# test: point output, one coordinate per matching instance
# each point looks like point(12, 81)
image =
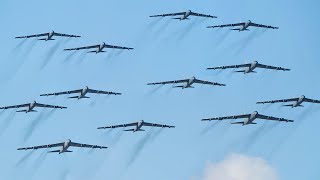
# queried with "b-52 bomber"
point(187, 83)
point(249, 118)
point(184, 15)
point(47, 36)
point(30, 107)
point(82, 93)
point(99, 48)
point(137, 126)
point(243, 26)
point(296, 101)
point(249, 68)
point(64, 146)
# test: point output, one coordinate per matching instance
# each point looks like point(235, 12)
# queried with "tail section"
point(26, 111)
point(45, 39)
point(243, 123)
point(177, 86)
point(22, 111)
point(95, 52)
point(133, 130)
point(55, 151)
point(58, 151)
point(238, 123)
point(238, 29)
point(241, 71)
point(291, 105)
point(74, 97)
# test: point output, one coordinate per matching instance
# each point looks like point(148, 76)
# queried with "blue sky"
point(165, 49)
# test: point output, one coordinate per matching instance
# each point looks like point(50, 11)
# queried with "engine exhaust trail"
point(69, 57)
point(6, 121)
point(51, 52)
point(29, 48)
point(154, 90)
point(17, 48)
point(209, 128)
point(139, 147)
point(162, 28)
point(116, 137)
point(43, 116)
point(249, 39)
point(24, 158)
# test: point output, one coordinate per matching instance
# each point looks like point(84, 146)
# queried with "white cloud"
point(240, 167)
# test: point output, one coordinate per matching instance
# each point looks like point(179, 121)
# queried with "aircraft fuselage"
point(245, 26)
point(65, 146)
point(31, 106)
point(189, 83)
point(251, 68)
point(186, 15)
point(299, 102)
point(252, 117)
point(83, 92)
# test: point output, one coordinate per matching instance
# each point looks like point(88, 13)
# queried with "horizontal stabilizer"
point(238, 123)
point(74, 97)
point(128, 130)
point(240, 71)
point(45, 39)
point(22, 111)
point(141, 130)
point(288, 105)
point(55, 151)
point(177, 86)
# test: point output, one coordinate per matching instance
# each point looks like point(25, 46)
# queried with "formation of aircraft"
point(243, 26)
point(64, 146)
point(187, 83)
point(30, 107)
point(183, 83)
point(184, 15)
point(248, 118)
point(48, 36)
point(82, 93)
point(99, 48)
point(137, 126)
point(296, 101)
point(249, 67)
